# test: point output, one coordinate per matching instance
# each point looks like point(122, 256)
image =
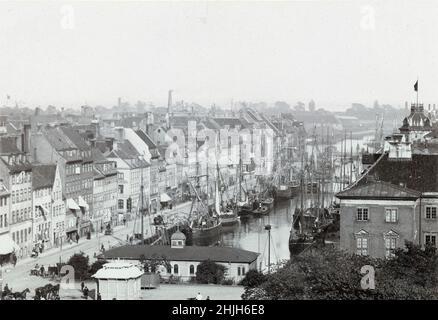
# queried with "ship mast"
point(351, 157)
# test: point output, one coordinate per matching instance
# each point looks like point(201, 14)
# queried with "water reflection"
point(250, 234)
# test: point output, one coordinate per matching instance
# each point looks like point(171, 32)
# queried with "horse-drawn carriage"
point(7, 294)
point(48, 292)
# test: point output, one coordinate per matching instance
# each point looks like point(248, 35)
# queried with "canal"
point(251, 235)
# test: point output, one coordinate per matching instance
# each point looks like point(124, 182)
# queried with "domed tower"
point(178, 240)
point(417, 124)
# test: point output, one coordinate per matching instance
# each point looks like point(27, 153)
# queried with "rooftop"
point(43, 175)
point(380, 190)
point(188, 253)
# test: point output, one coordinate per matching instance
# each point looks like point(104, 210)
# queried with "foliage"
point(80, 263)
point(334, 274)
point(227, 282)
point(210, 272)
point(151, 265)
point(253, 278)
point(96, 265)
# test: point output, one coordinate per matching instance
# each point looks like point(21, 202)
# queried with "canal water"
point(251, 235)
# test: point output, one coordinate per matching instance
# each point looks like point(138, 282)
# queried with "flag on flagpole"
point(416, 86)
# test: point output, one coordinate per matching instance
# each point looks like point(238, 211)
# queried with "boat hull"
point(228, 219)
point(206, 236)
point(263, 211)
point(286, 194)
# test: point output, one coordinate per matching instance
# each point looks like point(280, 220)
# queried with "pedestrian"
point(86, 292)
point(82, 286)
point(42, 270)
point(99, 297)
point(102, 248)
point(199, 296)
point(14, 259)
point(124, 221)
point(77, 237)
point(208, 298)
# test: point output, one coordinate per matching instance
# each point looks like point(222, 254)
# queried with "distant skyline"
point(335, 52)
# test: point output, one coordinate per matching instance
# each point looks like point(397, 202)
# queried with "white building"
point(132, 171)
point(42, 185)
point(16, 172)
point(119, 280)
point(58, 210)
point(183, 260)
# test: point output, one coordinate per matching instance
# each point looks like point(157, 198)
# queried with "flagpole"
point(417, 93)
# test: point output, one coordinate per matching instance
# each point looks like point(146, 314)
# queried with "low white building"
point(183, 260)
point(119, 280)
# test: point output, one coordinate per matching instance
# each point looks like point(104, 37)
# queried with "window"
point(121, 189)
point(362, 246)
point(121, 204)
point(362, 214)
point(391, 215)
point(192, 269)
point(430, 212)
point(175, 269)
point(238, 271)
point(243, 271)
point(169, 269)
point(430, 239)
point(390, 244)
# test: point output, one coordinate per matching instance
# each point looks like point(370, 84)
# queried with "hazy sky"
point(335, 52)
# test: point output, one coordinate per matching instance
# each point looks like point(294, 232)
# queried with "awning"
point(164, 197)
point(45, 212)
point(7, 245)
point(71, 204)
point(71, 229)
point(82, 203)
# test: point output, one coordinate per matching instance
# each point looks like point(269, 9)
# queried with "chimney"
point(25, 136)
point(169, 102)
point(120, 133)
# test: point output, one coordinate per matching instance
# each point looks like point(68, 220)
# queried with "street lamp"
point(268, 227)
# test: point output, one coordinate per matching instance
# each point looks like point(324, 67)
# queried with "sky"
point(335, 52)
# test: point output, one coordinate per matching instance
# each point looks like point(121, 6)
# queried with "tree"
point(152, 264)
point(300, 107)
point(210, 272)
point(96, 265)
point(333, 274)
point(253, 278)
point(80, 263)
point(282, 107)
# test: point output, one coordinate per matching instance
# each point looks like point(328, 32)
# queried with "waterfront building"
point(183, 260)
point(105, 192)
point(42, 191)
point(16, 173)
point(133, 172)
point(395, 200)
point(64, 146)
point(7, 245)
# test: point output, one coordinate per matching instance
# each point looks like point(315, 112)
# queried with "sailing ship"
point(227, 212)
point(204, 222)
point(310, 225)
